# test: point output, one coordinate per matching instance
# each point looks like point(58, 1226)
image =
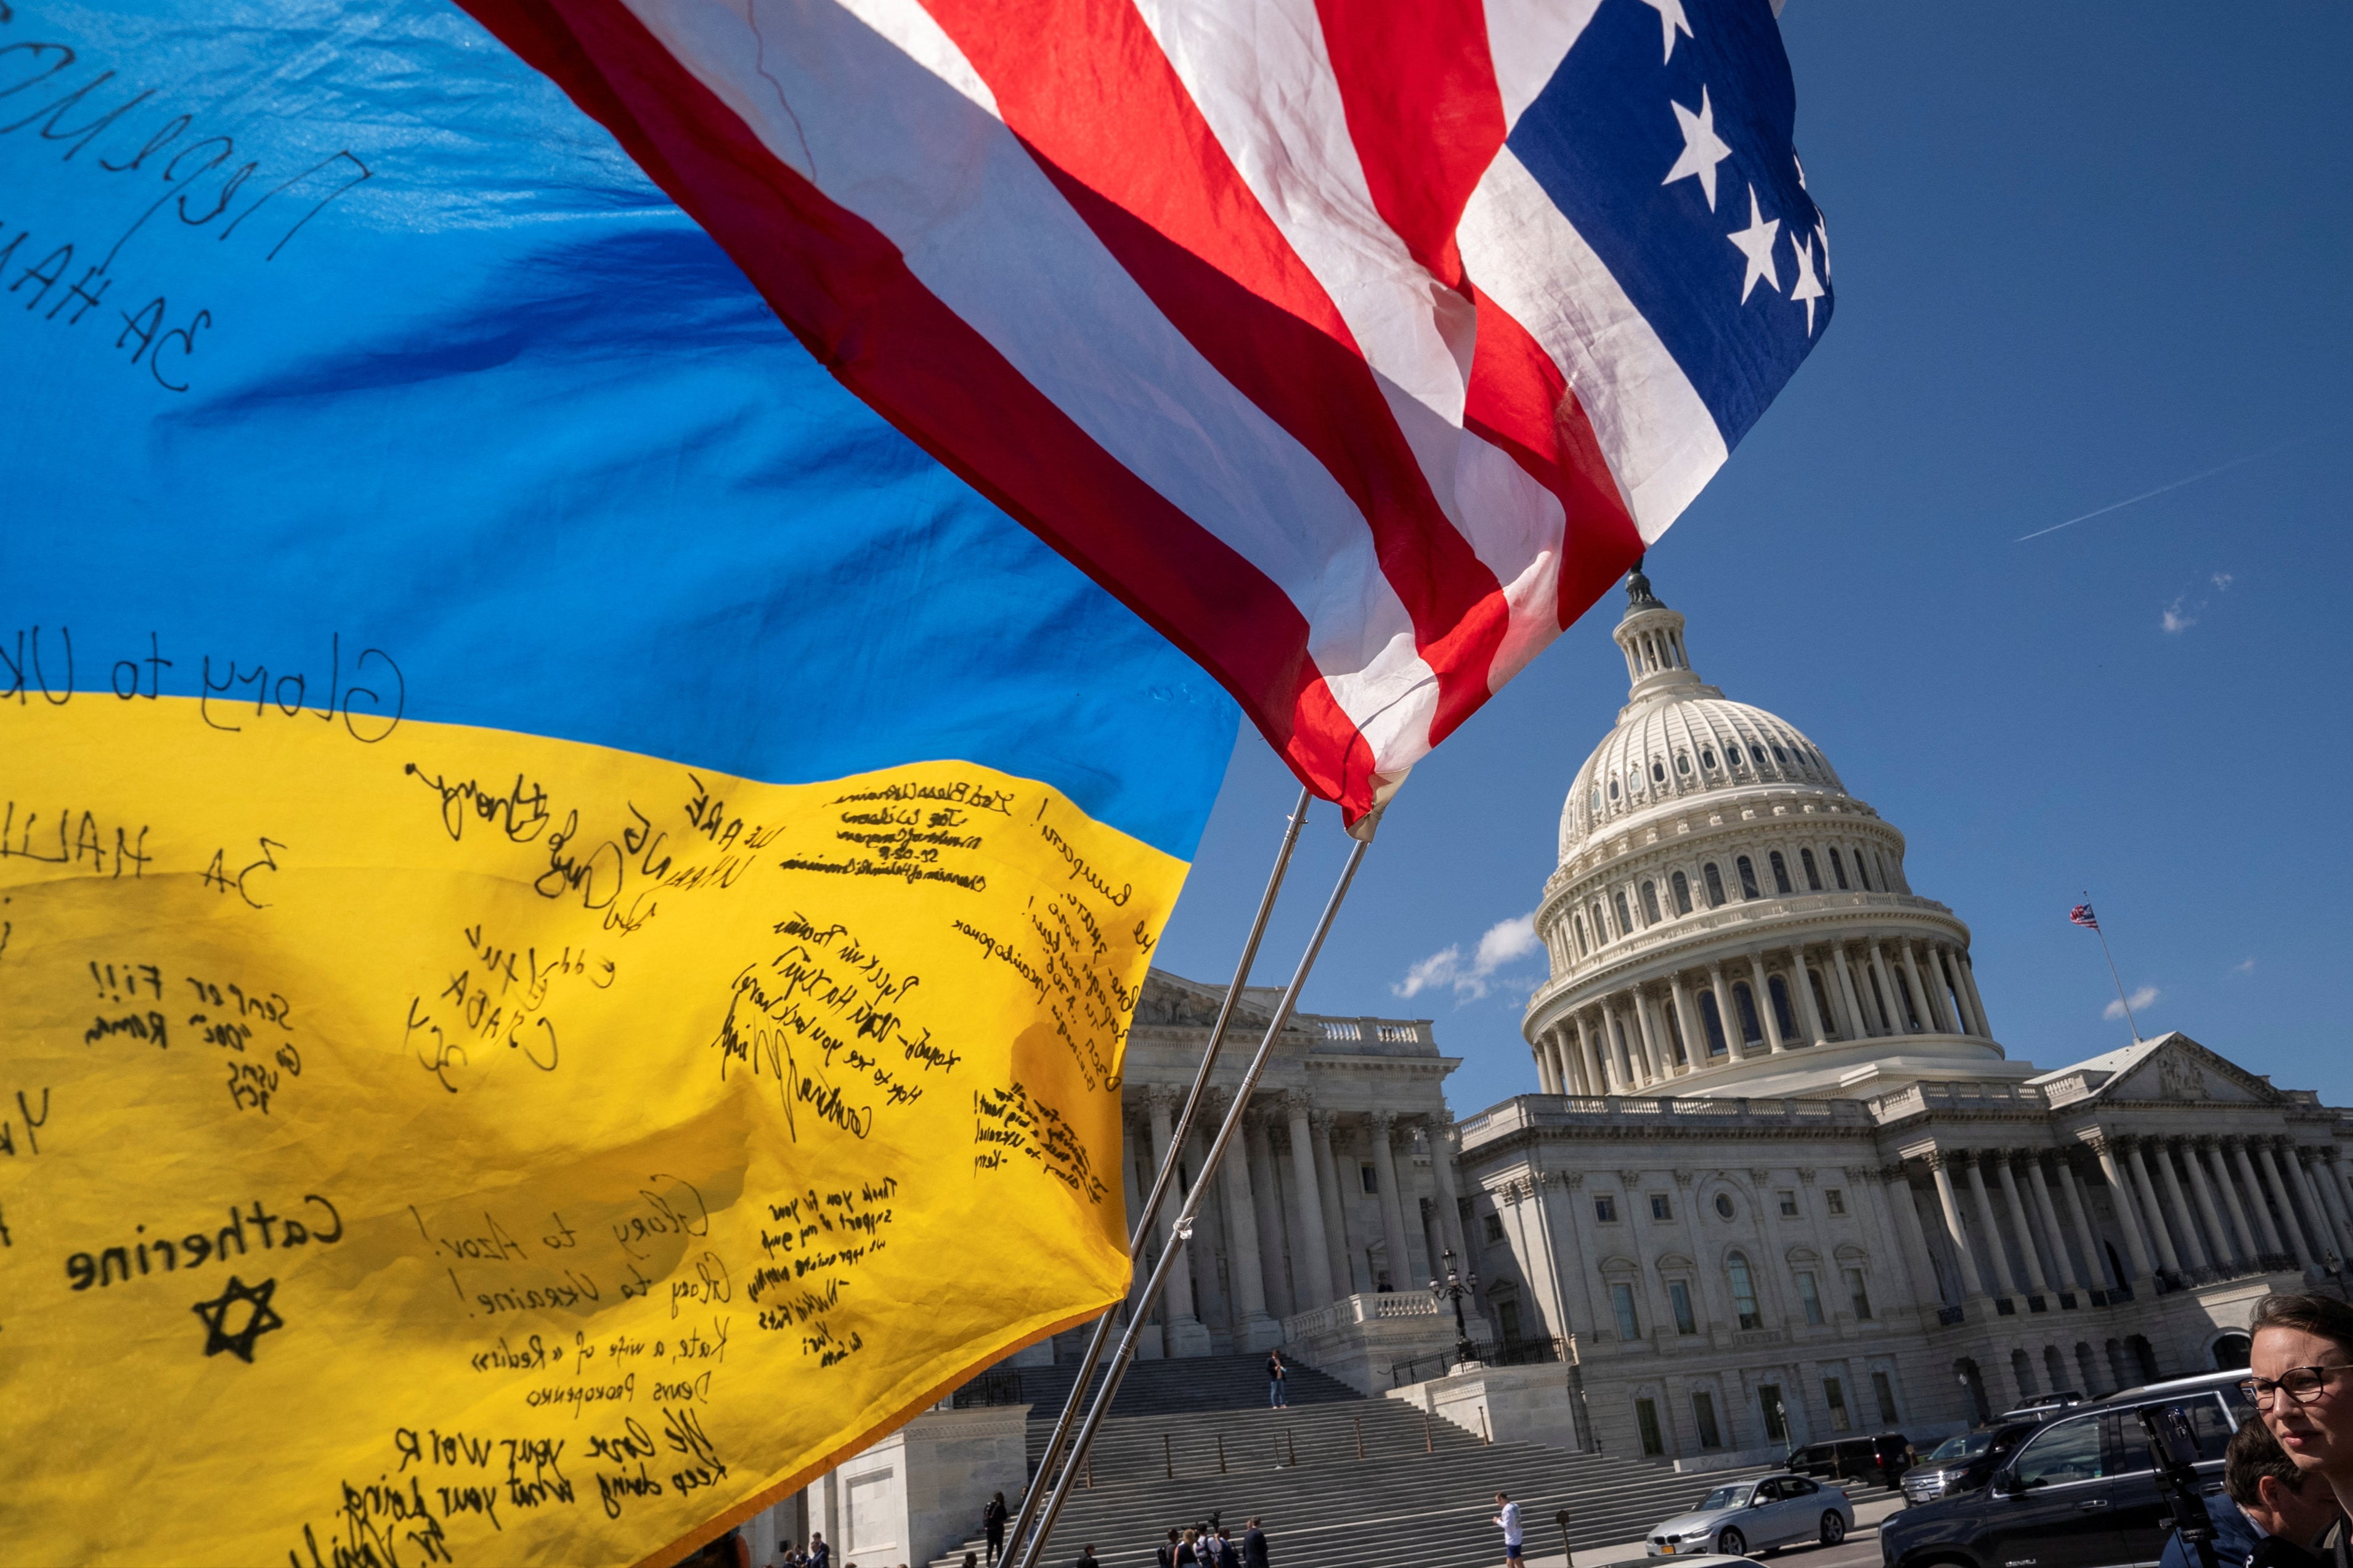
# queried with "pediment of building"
point(2172, 1067)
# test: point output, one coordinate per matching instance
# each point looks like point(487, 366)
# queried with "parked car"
point(1881, 1460)
point(2077, 1491)
point(1754, 1516)
point(1964, 1463)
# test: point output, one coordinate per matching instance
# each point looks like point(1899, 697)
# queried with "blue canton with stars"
point(1665, 138)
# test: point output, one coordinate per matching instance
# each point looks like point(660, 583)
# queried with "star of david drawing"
point(259, 1321)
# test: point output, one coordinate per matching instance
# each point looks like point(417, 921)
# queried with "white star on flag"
point(1807, 288)
point(1671, 21)
point(1756, 242)
point(1822, 233)
point(1702, 149)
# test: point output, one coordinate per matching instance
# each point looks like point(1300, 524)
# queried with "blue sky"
point(2082, 251)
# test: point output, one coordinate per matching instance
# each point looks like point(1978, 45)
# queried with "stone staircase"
point(1340, 1481)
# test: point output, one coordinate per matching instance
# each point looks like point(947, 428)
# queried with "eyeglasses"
point(2302, 1384)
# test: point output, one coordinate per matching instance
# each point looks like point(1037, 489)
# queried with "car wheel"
point(1833, 1526)
point(1732, 1544)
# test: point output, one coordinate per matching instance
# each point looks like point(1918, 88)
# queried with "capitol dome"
point(1725, 919)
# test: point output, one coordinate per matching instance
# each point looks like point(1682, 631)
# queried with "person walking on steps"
point(1278, 1397)
point(1166, 1557)
point(1507, 1520)
point(992, 1525)
point(1253, 1545)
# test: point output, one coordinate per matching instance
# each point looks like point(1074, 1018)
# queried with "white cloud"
point(1506, 943)
point(2223, 580)
point(2174, 620)
point(2140, 1000)
point(2246, 968)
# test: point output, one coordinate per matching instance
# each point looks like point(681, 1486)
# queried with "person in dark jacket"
point(1087, 1557)
point(993, 1515)
point(1278, 1393)
point(1253, 1545)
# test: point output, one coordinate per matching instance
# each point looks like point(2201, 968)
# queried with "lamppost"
point(1453, 1288)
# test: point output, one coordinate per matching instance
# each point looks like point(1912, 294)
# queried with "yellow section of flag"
point(497, 1149)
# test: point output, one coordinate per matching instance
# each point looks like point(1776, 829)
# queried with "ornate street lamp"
point(1453, 1288)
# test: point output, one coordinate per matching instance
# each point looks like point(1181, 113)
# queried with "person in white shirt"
point(1507, 1520)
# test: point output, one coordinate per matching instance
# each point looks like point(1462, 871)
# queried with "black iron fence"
point(998, 1385)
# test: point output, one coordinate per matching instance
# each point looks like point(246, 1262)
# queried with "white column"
point(2177, 1206)
point(2063, 1267)
point(1895, 1190)
point(1267, 1207)
point(1654, 1051)
point(1328, 1184)
point(1147, 1345)
point(1183, 1330)
point(1810, 1017)
point(2323, 1182)
point(1385, 1174)
point(2316, 1220)
point(1252, 1323)
point(2128, 1217)
point(1440, 1134)
point(2095, 1276)
point(1891, 1000)
point(2273, 1244)
point(1595, 1060)
point(2292, 1224)
point(1858, 1022)
point(1726, 1015)
point(2152, 1211)
point(1931, 1019)
point(2204, 1196)
point(1997, 1260)
point(1941, 972)
point(1969, 972)
point(1541, 1052)
point(1940, 1172)
point(2248, 1244)
point(1312, 1251)
point(1687, 1019)
point(1762, 994)
point(2036, 1284)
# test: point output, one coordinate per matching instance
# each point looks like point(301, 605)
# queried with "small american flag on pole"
point(2082, 915)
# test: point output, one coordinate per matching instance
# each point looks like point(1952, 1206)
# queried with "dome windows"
point(1596, 797)
point(1732, 755)
point(1683, 763)
point(1838, 868)
point(1707, 757)
point(1682, 886)
point(1625, 921)
point(1779, 755)
point(1650, 915)
point(1757, 756)
point(1613, 789)
point(1657, 771)
point(1813, 878)
point(1747, 877)
point(1780, 873)
point(1715, 880)
point(1578, 923)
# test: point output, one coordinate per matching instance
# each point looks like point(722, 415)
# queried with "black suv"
point(1880, 1460)
point(2077, 1491)
point(1963, 1464)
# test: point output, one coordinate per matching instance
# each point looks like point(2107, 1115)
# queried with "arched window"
point(1821, 999)
point(1859, 874)
point(1744, 1292)
point(1650, 902)
point(1578, 922)
point(1757, 756)
point(1683, 763)
point(1596, 797)
point(1613, 789)
point(1712, 1021)
point(1813, 878)
point(1781, 1014)
point(1751, 1031)
point(1600, 926)
point(1747, 879)
point(1625, 921)
point(1732, 755)
point(1714, 886)
point(1838, 868)
point(2054, 1367)
point(1707, 757)
point(1657, 771)
point(1779, 755)
point(2021, 1372)
point(1780, 873)
point(1681, 884)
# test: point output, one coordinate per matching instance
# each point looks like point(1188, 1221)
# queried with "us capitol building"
point(1778, 1180)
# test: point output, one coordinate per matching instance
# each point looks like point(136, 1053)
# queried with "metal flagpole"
point(1181, 1232)
point(2130, 1022)
point(1149, 1215)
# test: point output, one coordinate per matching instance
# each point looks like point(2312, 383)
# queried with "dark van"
point(2077, 1491)
point(1875, 1461)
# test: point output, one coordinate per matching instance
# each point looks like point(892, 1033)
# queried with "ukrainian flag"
point(569, 901)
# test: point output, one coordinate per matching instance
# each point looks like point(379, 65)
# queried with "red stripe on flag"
point(1418, 84)
point(847, 294)
point(1091, 94)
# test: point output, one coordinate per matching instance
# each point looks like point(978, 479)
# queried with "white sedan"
point(1741, 1517)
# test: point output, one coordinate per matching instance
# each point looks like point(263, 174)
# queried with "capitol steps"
point(1422, 1493)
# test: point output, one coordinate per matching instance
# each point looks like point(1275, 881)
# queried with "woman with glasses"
point(2301, 1379)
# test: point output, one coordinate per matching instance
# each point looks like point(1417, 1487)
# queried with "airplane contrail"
point(2177, 484)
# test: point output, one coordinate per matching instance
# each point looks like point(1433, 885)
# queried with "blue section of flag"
point(1601, 139)
point(382, 345)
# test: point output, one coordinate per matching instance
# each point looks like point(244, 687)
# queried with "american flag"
point(2082, 915)
point(1357, 346)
